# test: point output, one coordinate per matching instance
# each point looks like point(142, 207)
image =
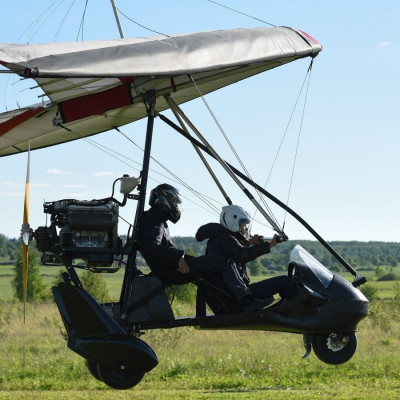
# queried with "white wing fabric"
point(94, 86)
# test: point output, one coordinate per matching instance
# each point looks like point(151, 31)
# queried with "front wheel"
point(335, 348)
point(120, 380)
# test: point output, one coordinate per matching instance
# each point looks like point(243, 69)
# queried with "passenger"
point(172, 265)
point(231, 238)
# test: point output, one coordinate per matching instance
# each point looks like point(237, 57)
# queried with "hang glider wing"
point(95, 86)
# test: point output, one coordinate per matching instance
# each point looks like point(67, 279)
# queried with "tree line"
point(361, 255)
point(374, 256)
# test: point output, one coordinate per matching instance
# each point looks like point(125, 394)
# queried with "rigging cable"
point(45, 20)
point(195, 192)
point(233, 150)
point(298, 139)
point(211, 208)
point(62, 22)
point(240, 12)
point(285, 133)
point(142, 26)
point(36, 21)
point(82, 22)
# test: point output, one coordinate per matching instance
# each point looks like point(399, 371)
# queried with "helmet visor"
point(244, 227)
point(174, 197)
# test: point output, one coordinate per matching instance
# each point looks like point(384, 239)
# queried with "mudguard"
point(93, 334)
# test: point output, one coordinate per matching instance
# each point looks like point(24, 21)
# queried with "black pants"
point(281, 285)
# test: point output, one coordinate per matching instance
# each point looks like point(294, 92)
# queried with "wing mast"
point(121, 33)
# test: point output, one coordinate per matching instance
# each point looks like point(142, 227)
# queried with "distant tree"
point(255, 267)
point(96, 285)
point(396, 288)
point(184, 293)
point(190, 251)
point(37, 290)
point(391, 276)
point(369, 291)
point(3, 245)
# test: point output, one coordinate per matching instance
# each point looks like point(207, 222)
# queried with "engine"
point(80, 230)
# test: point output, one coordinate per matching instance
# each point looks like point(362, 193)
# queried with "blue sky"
point(345, 182)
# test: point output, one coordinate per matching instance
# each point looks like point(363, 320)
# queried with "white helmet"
point(233, 216)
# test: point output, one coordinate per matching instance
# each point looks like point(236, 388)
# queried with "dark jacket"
point(157, 247)
point(234, 246)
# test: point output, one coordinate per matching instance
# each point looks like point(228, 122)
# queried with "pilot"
point(231, 238)
point(172, 265)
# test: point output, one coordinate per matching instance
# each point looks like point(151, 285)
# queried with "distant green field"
point(49, 275)
point(386, 289)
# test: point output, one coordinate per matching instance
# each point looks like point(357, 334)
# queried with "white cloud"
point(56, 171)
point(382, 44)
point(9, 184)
point(104, 173)
point(39, 185)
point(75, 186)
point(12, 194)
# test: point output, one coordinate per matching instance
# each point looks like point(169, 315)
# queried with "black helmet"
point(167, 197)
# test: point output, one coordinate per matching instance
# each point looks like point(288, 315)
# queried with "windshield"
point(300, 255)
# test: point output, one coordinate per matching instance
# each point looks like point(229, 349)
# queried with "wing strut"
point(358, 280)
point(175, 109)
point(121, 33)
point(210, 150)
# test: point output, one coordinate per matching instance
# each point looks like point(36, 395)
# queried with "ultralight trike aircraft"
point(101, 85)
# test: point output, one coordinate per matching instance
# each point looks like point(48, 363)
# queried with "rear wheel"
point(92, 367)
point(118, 379)
point(335, 348)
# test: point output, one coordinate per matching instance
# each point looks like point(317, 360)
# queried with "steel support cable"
point(299, 136)
point(82, 22)
point(138, 24)
point(285, 132)
point(240, 12)
point(267, 194)
point(32, 25)
point(43, 23)
point(116, 155)
point(62, 21)
point(199, 195)
point(271, 216)
point(176, 110)
point(211, 208)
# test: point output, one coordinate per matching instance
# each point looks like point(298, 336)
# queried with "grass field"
point(36, 364)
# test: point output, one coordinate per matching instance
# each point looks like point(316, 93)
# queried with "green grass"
point(194, 364)
point(36, 364)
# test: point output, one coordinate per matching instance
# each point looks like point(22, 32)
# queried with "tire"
point(335, 348)
point(120, 380)
point(92, 367)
